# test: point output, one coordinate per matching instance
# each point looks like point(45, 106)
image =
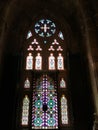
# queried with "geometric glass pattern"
point(30, 48)
point(35, 42)
point(38, 48)
point(55, 42)
point(51, 48)
point(44, 104)
point(45, 28)
point(64, 111)
point(25, 110)
point(59, 48)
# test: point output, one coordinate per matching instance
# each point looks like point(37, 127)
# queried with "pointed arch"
point(62, 83)
point(60, 62)
point(51, 62)
point(64, 110)
point(25, 110)
point(38, 62)
point(29, 62)
point(27, 83)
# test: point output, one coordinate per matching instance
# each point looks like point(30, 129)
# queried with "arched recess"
point(44, 64)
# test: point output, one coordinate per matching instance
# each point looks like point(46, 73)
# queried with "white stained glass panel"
point(64, 112)
point(62, 83)
point(38, 62)
point(29, 62)
point(27, 83)
point(51, 62)
point(29, 34)
point(60, 62)
point(61, 35)
point(25, 110)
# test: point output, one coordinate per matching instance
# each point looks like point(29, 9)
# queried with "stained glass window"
point(64, 111)
point(61, 35)
point(60, 62)
point(44, 49)
point(29, 34)
point(38, 48)
point(35, 42)
point(25, 111)
point(51, 48)
point(62, 83)
point(45, 28)
point(51, 62)
point(30, 48)
point(55, 42)
point(29, 62)
point(38, 62)
point(44, 107)
point(59, 48)
point(27, 83)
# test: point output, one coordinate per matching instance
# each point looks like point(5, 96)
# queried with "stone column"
point(92, 56)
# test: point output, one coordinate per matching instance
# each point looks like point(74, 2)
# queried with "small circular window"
point(45, 28)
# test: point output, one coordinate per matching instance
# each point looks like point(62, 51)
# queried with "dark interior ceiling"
point(17, 15)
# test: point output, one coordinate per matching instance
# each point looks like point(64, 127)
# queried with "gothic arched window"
point(62, 83)
point(27, 83)
point(29, 34)
point(38, 62)
point(25, 111)
point(29, 62)
point(44, 104)
point(51, 62)
point(60, 62)
point(64, 110)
